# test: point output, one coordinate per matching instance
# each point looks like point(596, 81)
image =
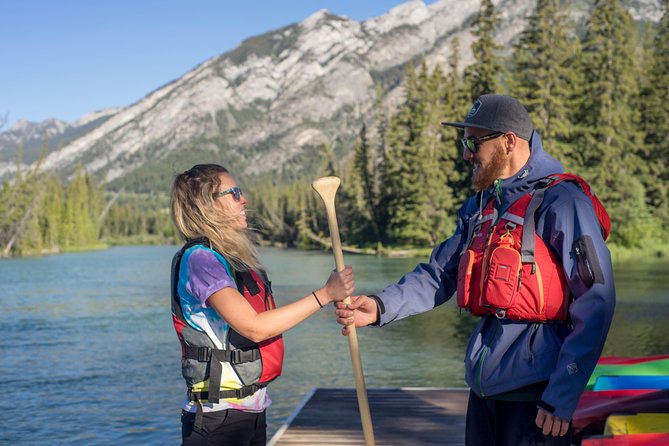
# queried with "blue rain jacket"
point(505, 355)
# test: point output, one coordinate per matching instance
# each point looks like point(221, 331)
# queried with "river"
point(89, 354)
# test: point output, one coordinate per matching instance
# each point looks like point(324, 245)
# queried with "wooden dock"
point(404, 416)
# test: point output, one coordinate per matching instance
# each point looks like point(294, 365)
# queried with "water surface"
point(89, 354)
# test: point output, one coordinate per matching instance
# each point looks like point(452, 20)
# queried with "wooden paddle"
point(326, 188)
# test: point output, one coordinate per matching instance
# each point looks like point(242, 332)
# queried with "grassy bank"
point(89, 247)
point(624, 254)
point(422, 253)
point(618, 253)
point(57, 250)
point(144, 239)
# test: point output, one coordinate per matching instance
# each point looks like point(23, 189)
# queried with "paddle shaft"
point(326, 188)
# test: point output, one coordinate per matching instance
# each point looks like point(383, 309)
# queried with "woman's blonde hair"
point(196, 215)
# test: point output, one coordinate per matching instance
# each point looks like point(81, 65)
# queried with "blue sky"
point(66, 58)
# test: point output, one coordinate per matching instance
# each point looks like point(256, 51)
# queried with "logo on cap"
point(474, 109)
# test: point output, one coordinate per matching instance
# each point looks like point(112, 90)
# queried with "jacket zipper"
point(540, 285)
point(535, 328)
point(484, 353)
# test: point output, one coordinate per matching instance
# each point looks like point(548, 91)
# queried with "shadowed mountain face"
point(272, 102)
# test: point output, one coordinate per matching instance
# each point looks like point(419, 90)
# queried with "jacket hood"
point(538, 166)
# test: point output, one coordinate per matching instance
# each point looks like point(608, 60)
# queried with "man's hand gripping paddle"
point(326, 188)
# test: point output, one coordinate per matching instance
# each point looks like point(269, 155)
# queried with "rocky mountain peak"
point(271, 102)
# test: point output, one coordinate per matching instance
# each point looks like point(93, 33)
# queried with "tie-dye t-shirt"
point(203, 271)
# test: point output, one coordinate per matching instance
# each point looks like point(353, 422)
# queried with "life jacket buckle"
point(204, 354)
point(500, 313)
point(247, 391)
point(236, 356)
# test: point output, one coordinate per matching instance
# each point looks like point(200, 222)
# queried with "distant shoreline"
point(618, 253)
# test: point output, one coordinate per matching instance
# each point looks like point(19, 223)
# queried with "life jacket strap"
point(204, 354)
point(199, 413)
point(529, 226)
point(475, 220)
point(245, 279)
point(215, 372)
point(240, 393)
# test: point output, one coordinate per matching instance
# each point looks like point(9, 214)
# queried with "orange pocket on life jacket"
point(501, 285)
point(465, 278)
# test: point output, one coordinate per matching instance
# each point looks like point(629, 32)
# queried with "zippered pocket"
point(587, 263)
point(465, 278)
point(503, 277)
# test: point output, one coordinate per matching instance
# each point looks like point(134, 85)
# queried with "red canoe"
point(590, 419)
point(590, 398)
point(622, 360)
point(628, 440)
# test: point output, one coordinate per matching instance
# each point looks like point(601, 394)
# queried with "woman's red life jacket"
point(255, 364)
point(507, 270)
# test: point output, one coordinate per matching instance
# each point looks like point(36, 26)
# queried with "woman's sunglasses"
point(235, 191)
point(472, 144)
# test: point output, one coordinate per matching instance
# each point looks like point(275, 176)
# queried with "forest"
point(597, 97)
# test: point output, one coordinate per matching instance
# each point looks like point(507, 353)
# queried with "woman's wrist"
point(323, 296)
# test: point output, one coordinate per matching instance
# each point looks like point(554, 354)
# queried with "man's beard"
point(485, 175)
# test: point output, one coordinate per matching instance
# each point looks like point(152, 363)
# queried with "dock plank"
point(400, 416)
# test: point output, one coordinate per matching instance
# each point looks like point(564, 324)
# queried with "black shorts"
point(225, 428)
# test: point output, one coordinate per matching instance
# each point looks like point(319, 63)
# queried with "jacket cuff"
point(380, 309)
point(545, 406)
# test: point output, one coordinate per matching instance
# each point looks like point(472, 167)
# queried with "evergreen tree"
point(22, 199)
point(610, 139)
point(404, 169)
point(305, 211)
point(81, 212)
point(265, 217)
point(456, 104)
point(30, 237)
point(50, 213)
point(439, 157)
point(328, 165)
point(484, 75)
point(655, 121)
point(543, 78)
point(380, 169)
point(5, 209)
point(363, 183)
point(418, 193)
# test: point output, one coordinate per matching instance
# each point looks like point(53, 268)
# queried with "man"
point(529, 257)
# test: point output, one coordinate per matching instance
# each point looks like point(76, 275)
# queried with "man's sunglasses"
point(472, 144)
point(235, 191)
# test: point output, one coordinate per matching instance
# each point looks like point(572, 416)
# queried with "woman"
point(224, 312)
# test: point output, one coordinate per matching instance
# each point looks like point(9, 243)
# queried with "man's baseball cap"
point(498, 113)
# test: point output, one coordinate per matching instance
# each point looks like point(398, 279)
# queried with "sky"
point(66, 58)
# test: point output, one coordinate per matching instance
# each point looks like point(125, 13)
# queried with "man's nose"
point(467, 154)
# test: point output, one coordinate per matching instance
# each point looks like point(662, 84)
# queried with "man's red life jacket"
point(507, 270)
point(255, 364)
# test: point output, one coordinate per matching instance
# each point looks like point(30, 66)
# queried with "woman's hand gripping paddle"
point(326, 188)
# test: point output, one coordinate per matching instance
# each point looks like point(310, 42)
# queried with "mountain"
point(30, 137)
point(269, 104)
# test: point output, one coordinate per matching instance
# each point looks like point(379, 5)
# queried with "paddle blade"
point(326, 187)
